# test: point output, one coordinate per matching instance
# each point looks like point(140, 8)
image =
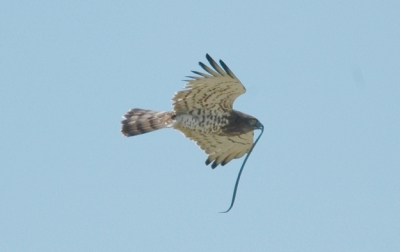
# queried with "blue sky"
point(322, 76)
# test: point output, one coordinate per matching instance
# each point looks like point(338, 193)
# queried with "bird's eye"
point(253, 121)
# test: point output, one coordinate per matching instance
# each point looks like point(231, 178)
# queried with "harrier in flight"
point(203, 112)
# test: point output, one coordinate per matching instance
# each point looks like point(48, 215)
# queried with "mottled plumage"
point(203, 112)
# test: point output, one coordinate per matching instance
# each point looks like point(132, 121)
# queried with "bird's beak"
point(260, 126)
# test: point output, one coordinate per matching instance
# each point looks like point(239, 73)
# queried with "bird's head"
point(240, 123)
point(254, 123)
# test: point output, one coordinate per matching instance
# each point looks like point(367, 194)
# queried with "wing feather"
point(215, 65)
point(193, 77)
point(227, 70)
point(221, 149)
point(202, 74)
point(216, 91)
point(209, 70)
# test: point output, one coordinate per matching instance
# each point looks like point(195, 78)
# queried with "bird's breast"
point(202, 121)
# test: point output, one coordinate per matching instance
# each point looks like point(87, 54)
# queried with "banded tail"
point(140, 121)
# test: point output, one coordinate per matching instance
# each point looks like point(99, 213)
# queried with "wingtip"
point(208, 57)
point(213, 165)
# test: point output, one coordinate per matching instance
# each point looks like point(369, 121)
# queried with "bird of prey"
point(203, 112)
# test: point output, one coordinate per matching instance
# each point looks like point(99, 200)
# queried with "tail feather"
point(140, 121)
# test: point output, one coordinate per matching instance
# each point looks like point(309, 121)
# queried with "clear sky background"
point(322, 76)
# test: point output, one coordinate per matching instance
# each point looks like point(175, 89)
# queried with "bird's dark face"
point(253, 123)
point(240, 123)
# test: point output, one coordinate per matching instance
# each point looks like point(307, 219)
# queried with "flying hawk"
point(203, 112)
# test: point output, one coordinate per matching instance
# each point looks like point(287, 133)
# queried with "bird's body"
point(203, 112)
point(201, 121)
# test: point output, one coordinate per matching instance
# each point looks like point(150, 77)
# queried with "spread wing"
point(221, 149)
point(216, 90)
